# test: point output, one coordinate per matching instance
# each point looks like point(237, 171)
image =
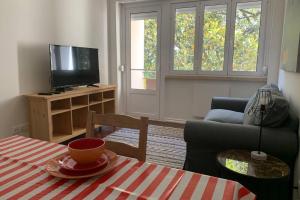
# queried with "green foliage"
point(184, 41)
point(214, 31)
point(237, 166)
point(246, 39)
point(150, 48)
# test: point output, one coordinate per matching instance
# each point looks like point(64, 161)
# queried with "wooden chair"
point(121, 121)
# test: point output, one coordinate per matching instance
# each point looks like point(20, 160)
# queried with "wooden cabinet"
point(60, 117)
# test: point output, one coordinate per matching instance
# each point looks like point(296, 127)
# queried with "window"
point(143, 51)
point(218, 36)
point(184, 39)
point(246, 36)
point(214, 32)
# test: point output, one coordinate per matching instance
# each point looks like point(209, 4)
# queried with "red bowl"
point(86, 150)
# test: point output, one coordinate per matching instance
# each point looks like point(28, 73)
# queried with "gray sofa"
point(206, 138)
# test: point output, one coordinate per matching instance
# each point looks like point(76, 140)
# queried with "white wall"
point(26, 29)
point(191, 99)
point(289, 82)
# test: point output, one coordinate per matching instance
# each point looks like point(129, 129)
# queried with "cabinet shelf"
point(61, 125)
point(62, 138)
point(80, 101)
point(78, 131)
point(79, 118)
point(94, 98)
point(75, 107)
point(59, 111)
point(95, 102)
point(107, 99)
point(108, 94)
point(97, 108)
point(109, 107)
point(61, 117)
point(61, 104)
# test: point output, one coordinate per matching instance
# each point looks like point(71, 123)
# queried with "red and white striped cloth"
point(23, 176)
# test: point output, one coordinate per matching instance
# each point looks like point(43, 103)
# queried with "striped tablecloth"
point(23, 176)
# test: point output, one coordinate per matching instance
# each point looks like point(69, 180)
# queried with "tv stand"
point(60, 117)
point(92, 85)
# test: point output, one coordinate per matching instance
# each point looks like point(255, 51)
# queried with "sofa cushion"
point(276, 114)
point(225, 116)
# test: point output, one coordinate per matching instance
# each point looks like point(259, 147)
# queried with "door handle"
point(122, 68)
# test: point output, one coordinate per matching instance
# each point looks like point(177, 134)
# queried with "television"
point(73, 66)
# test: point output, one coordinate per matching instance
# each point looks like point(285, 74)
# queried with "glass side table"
point(268, 179)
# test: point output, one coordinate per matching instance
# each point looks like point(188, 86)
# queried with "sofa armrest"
point(228, 103)
point(279, 142)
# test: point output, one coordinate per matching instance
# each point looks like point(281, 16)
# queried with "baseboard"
point(175, 120)
point(166, 123)
point(137, 114)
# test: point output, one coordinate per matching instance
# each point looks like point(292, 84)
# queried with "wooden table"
point(267, 178)
point(23, 176)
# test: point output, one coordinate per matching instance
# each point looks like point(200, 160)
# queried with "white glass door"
point(142, 61)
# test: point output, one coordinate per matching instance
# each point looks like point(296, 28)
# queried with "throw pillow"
point(225, 116)
point(277, 113)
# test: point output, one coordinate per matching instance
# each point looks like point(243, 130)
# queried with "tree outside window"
point(246, 39)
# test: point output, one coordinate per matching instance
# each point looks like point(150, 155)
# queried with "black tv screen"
point(73, 66)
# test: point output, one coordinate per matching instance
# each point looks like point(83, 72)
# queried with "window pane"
point(246, 40)
point(143, 51)
point(142, 79)
point(184, 39)
point(214, 32)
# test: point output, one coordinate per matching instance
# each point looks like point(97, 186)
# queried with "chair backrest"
point(121, 121)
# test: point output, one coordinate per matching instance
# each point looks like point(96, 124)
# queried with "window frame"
point(261, 44)
point(231, 6)
point(202, 5)
point(152, 10)
point(173, 8)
